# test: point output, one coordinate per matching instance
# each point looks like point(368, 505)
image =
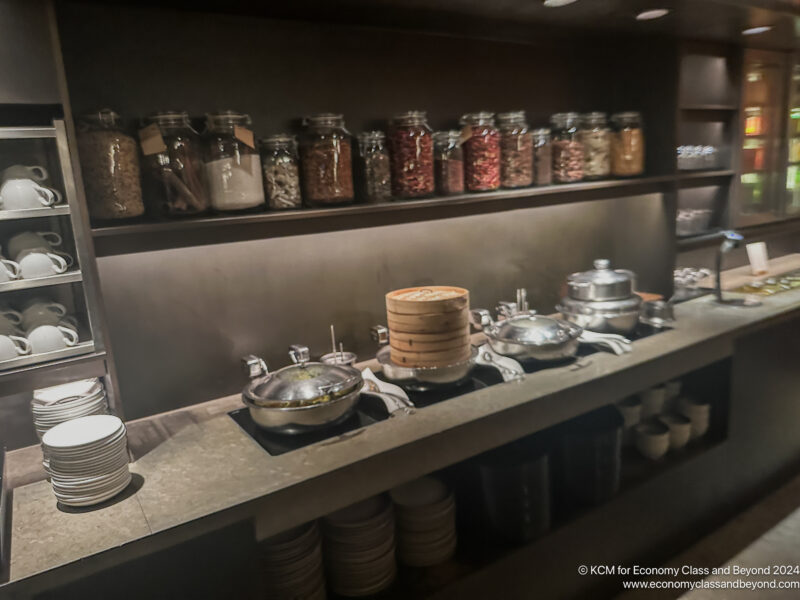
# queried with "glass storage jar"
point(375, 169)
point(233, 167)
point(595, 136)
point(516, 150)
point(327, 160)
point(411, 147)
point(567, 148)
point(542, 156)
point(627, 144)
point(109, 160)
point(175, 179)
point(481, 141)
point(448, 162)
point(280, 167)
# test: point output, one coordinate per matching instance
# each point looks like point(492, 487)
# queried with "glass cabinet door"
point(762, 171)
point(791, 199)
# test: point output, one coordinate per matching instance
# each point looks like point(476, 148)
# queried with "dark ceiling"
point(528, 20)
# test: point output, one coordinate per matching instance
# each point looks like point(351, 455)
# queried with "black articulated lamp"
point(731, 240)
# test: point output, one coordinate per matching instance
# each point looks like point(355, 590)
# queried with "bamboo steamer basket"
point(427, 300)
point(429, 322)
point(461, 338)
point(430, 359)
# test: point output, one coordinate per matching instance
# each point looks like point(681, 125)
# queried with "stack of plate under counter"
point(359, 548)
point(425, 512)
point(291, 564)
point(428, 326)
point(87, 459)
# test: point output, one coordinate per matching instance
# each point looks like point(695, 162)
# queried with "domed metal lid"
point(533, 330)
point(602, 283)
point(303, 383)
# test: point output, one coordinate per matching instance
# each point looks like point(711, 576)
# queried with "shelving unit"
point(34, 213)
point(142, 237)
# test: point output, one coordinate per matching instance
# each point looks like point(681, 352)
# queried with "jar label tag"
point(466, 133)
point(244, 135)
point(151, 140)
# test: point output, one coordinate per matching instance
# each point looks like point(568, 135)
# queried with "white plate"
point(66, 406)
point(96, 499)
point(73, 389)
point(84, 431)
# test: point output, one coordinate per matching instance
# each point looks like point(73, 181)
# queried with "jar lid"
point(324, 120)
point(226, 118)
point(483, 117)
point(447, 137)
point(511, 117)
point(170, 118)
point(541, 131)
point(410, 117)
point(371, 136)
point(565, 120)
point(104, 117)
point(279, 139)
point(602, 283)
point(628, 117)
point(594, 118)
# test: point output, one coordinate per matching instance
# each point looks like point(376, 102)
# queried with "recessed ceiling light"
point(556, 3)
point(757, 30)
point(655, 13)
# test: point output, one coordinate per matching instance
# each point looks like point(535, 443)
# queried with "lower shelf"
point(33, 359)
point(27, 284)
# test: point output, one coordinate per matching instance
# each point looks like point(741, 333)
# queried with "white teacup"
point(42, 312)
point(41, 264)
point(652, 439)
point(13, 346)
point(7, 327)
point(698, 412)
point(35, 172)
point(9, 314)
point(31, 240)
point(652, 401)
point(18, 194)
point(9, 270)
point(49, 338)
point(680, 429)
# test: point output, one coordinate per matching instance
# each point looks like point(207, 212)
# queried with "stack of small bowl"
point(54, 405)
point(428, 326)
point(87, 459)
point(359, 548)
point(291, 563)
point(425, 511)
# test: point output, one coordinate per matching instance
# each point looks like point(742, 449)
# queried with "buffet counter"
point(196, 470)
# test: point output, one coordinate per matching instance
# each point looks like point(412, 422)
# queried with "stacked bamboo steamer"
point(428, 326)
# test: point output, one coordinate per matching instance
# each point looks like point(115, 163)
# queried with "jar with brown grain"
point(567, 148)
point(326, 160)
point(516, 150)
point(595, 136)
point(109, 160)
point(481, 141)
point(448, 162)
point(411, 149)
point(175, 179)
point(627, 145)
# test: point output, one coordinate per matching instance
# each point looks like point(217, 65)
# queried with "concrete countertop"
point(196, 475)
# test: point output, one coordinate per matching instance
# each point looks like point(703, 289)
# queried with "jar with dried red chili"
point(516, 150)
point(567, 148)
point(411, 150)
point(481, 151)
point(327, 160)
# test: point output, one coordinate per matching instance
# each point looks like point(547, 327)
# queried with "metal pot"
point(427, 378)
point(602, 300)
point(302, 397)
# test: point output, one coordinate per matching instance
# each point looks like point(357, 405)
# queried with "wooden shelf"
point(141, 237)
point(28, 284)
point(710, 107)
point(31, 213)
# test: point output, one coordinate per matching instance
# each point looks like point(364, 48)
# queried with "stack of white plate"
point(87, 459)
point(54, 405)
point(359, 548)
point(291, 564)
point(425, 512)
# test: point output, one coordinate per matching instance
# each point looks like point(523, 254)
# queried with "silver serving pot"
point(602, 300)
point(302, 397)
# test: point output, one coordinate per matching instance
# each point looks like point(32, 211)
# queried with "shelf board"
point(31, 213)
point(141, 237)
point(710, 107)
point(701, 178)
point(23, 133)
point(9, 366)
point(28, 284)
point(82, 363)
